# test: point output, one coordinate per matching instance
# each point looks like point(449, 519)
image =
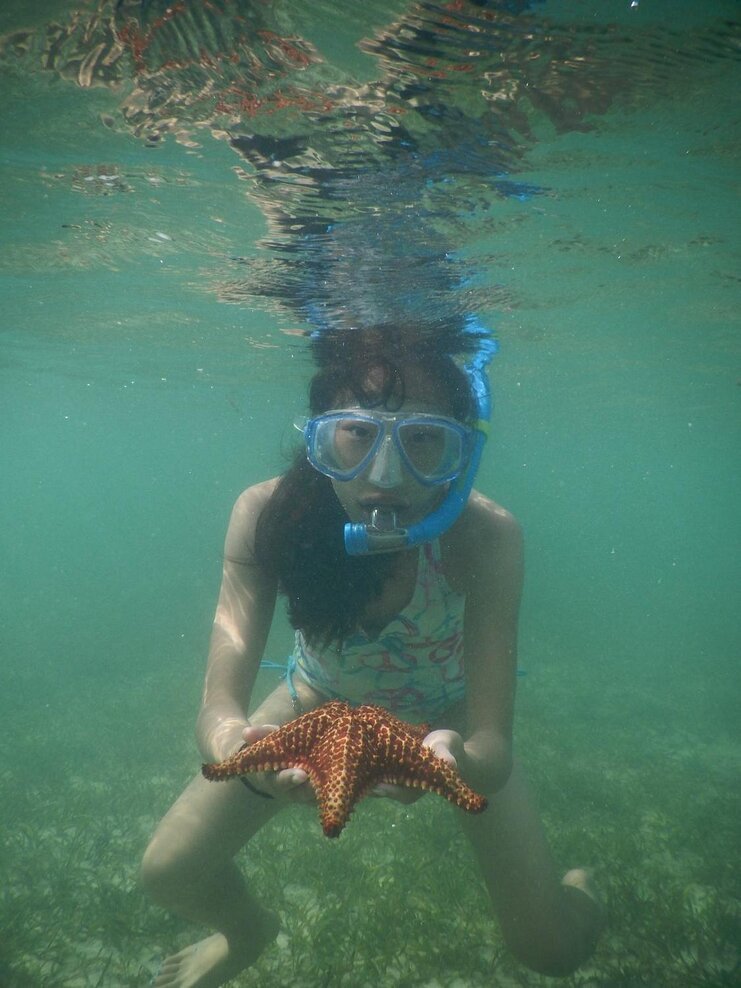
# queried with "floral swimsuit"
point(414, 667)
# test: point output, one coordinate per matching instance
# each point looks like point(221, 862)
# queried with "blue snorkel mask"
point(383, 533)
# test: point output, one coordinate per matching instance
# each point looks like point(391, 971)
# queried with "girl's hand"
point(290, 783)
point(447, 745)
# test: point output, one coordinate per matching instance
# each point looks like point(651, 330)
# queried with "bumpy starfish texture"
point(346, 751)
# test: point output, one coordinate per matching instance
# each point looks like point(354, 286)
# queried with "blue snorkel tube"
point(382, 536)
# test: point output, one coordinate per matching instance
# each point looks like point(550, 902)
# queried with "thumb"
point(257, 732)
point(441, 743)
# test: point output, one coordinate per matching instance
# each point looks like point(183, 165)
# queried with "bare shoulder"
point(240, 536)
point(483, 547)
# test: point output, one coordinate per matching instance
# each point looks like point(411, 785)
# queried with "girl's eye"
point(358, 431)
point(421, 437)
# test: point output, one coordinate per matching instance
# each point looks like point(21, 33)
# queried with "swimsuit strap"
point(298, 708)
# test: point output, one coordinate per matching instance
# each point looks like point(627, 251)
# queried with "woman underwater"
point(428, 631)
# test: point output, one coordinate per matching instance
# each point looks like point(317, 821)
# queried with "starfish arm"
point(376, 717)
point(422, 769)
point(345, 765)
point(459, 793)
point(286, 747)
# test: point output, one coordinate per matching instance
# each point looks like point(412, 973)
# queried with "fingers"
point(293, 783)
point(290, 783)
point(446, 745)
point(257, 732)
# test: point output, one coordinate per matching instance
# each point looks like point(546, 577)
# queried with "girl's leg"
point(188, 869)
point(551, 926)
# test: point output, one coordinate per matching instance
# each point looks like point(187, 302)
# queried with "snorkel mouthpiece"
point(383, 535)
point(383, 520)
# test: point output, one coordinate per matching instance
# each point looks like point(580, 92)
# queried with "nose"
point(386, 468)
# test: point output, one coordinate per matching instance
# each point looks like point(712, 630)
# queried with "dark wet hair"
point(299, 536)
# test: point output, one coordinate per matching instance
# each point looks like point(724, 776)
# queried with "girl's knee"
point(200, 833)
point(164, 869)
point(155, 869)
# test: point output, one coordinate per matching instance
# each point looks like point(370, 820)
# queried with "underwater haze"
point(188, 190)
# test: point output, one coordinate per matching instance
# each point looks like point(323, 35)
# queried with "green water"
point(137, 402)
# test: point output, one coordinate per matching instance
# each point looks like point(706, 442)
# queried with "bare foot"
point(209, 963)
point(580, 878)
point(591, 908)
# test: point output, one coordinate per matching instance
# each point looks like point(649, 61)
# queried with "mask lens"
point(434, 450)
point(342, 444)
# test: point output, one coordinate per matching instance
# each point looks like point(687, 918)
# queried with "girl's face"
point(386, 483)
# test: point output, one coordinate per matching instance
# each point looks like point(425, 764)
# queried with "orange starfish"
point(346, 751)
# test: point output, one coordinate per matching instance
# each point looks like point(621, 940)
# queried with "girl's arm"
point(489, 558)
point(243, 617)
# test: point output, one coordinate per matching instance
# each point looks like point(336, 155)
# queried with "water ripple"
point(368, 188)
